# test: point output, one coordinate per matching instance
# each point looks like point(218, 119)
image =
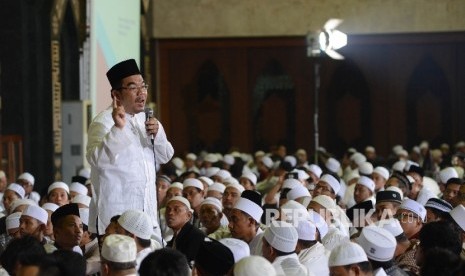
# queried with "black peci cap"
point(122, 70)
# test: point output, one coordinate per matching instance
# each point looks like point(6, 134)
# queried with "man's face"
point(29, 226)
point(246, 183)
point(230, 196)
point(194, 196)
point(176, 215)
point(451, 192)
point(386, 209)
point(215, 194)
point(361, 193)
point(27, 186)
point(69, 232)
point(409, 221)
point(49, 227)
point(172, 192)
point(342, 271)
point(379, 181)
point(162, 187)
point(8, 197)
point(239, 225)
point(210, 217)
point(133, 100)
point(323, 188)
point(58, 196)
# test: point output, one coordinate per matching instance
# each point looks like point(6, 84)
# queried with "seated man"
point(32, 223)
point(349, 258)
point(118, 255)
point(67, 227)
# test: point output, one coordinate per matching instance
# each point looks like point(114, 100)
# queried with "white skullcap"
point(214, 202)
point(36, 212)
point(306, 230)
point(253, 266)
point(352, 175)
point(415, 207)
point(176, 185)
point(281, 236)
point(358, 158)
point(50, 206)
point(334, 238)
point(237, 186)
point(259, 153)
point(378, 243)
point(301, 152)
point(367, 182)
point(439, 204)
point(267, 162)
point(207, 180)
point(293, 205)
point(17, 189)
point(396, 189)
point(183, 200)
point(298, 191)
point(2, 174)
point(209, 172)
point(403, 153)
point(239, 248)
point(84, 172)
point(217, 187)
point(424, 195)
point(224, 174)
point(191, 156)
point(416, 149)
point(370, 149)
point(231, 180)
point(192, 182)
point(399, 166)
point(347, 253)
point(319, 222)
point(229, 159)
point(291, 160)
point(119, 249)
point(178, 163)
point(250, 176)
point(458, 214)
point(249, 207)
point(332, 165)
point(19, 202)
point(315, 169)
point(291, 183)
point(301, 174)
point(396, 149)
point(332, 181)
point(325, 201)
point(28, 177)
point(12, 221)
point(447, 174)
point(424, 145)
point(78, 188)
point(460, 144)
point(365, 168)
point(392, 225)
point(293, 212)
point(382, 171)
point(57, 185)
point(137, 223)
point(83, 199)
point(84, 215)
point(211, 157)
point(410, 179)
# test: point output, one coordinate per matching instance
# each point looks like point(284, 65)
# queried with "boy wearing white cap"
point(364, 190)
point(118, 255)
point(231, 195)
point(248, 180)
point(13, 192)
point(77, 188)
point(12, 230)
point(27, 180)
point(193, 190)
point(58, 193)
point(349, 258)
point(32, 223)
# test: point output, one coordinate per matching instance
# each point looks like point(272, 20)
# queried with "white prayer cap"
point(358, 158)
point(315, 169)
point(259, 153)
point(176, 185)
point(217, 187)
point(211, 157)
point(17, 189)
point(83, 199)
point(137, 223)
point(298, 191)
point(281, 236)
point(207, 180)
point(78, 188)
point(347, 253)
point(12, 221)
point(178, 163)
point(291, 183)
point(367, 182)
point(209, 172)
point(413, 206)
point(119, 249)
point(447, 174)
point(301, 174)
point(36, 212)
point(249, 207)
point(19, 202)
point(214, 202)
point(291, 160)
point(301, 152)
point(370, 149)
point(325, 201)
point(84, 172)
point(319, 222)
point(333, 239)
point(183, 200)
point(396, 189)
point(439, 204)
point(382, 171)
point(424, 145)
point(332, 181)
point(267, 162)
point(293, 205)
point(192, 182)
point(84, 215)
point(333, 165)
point(239, 248)
point(365, 168)
point(250, 176)
point(254, 266)
point(458, 214)
point(416, 149)
point(399, 166)
point(57, 185)
point(28, 177)
point(396, 149)
point(378, 243)
point(460, 144)
point(191, 156)
point(50, 206)
point(424, 195)
point(293, 212)
point(392, 225)
point(229, 159)
point(231, 180)
point(224, 174)
point(237, 186)
point(306, 230)
point(403, 153)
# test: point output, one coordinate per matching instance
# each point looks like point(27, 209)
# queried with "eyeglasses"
point(134, 88)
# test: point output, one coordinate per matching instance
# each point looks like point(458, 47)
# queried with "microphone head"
point(148, 113)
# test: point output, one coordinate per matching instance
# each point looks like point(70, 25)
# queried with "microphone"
point(148, 115)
